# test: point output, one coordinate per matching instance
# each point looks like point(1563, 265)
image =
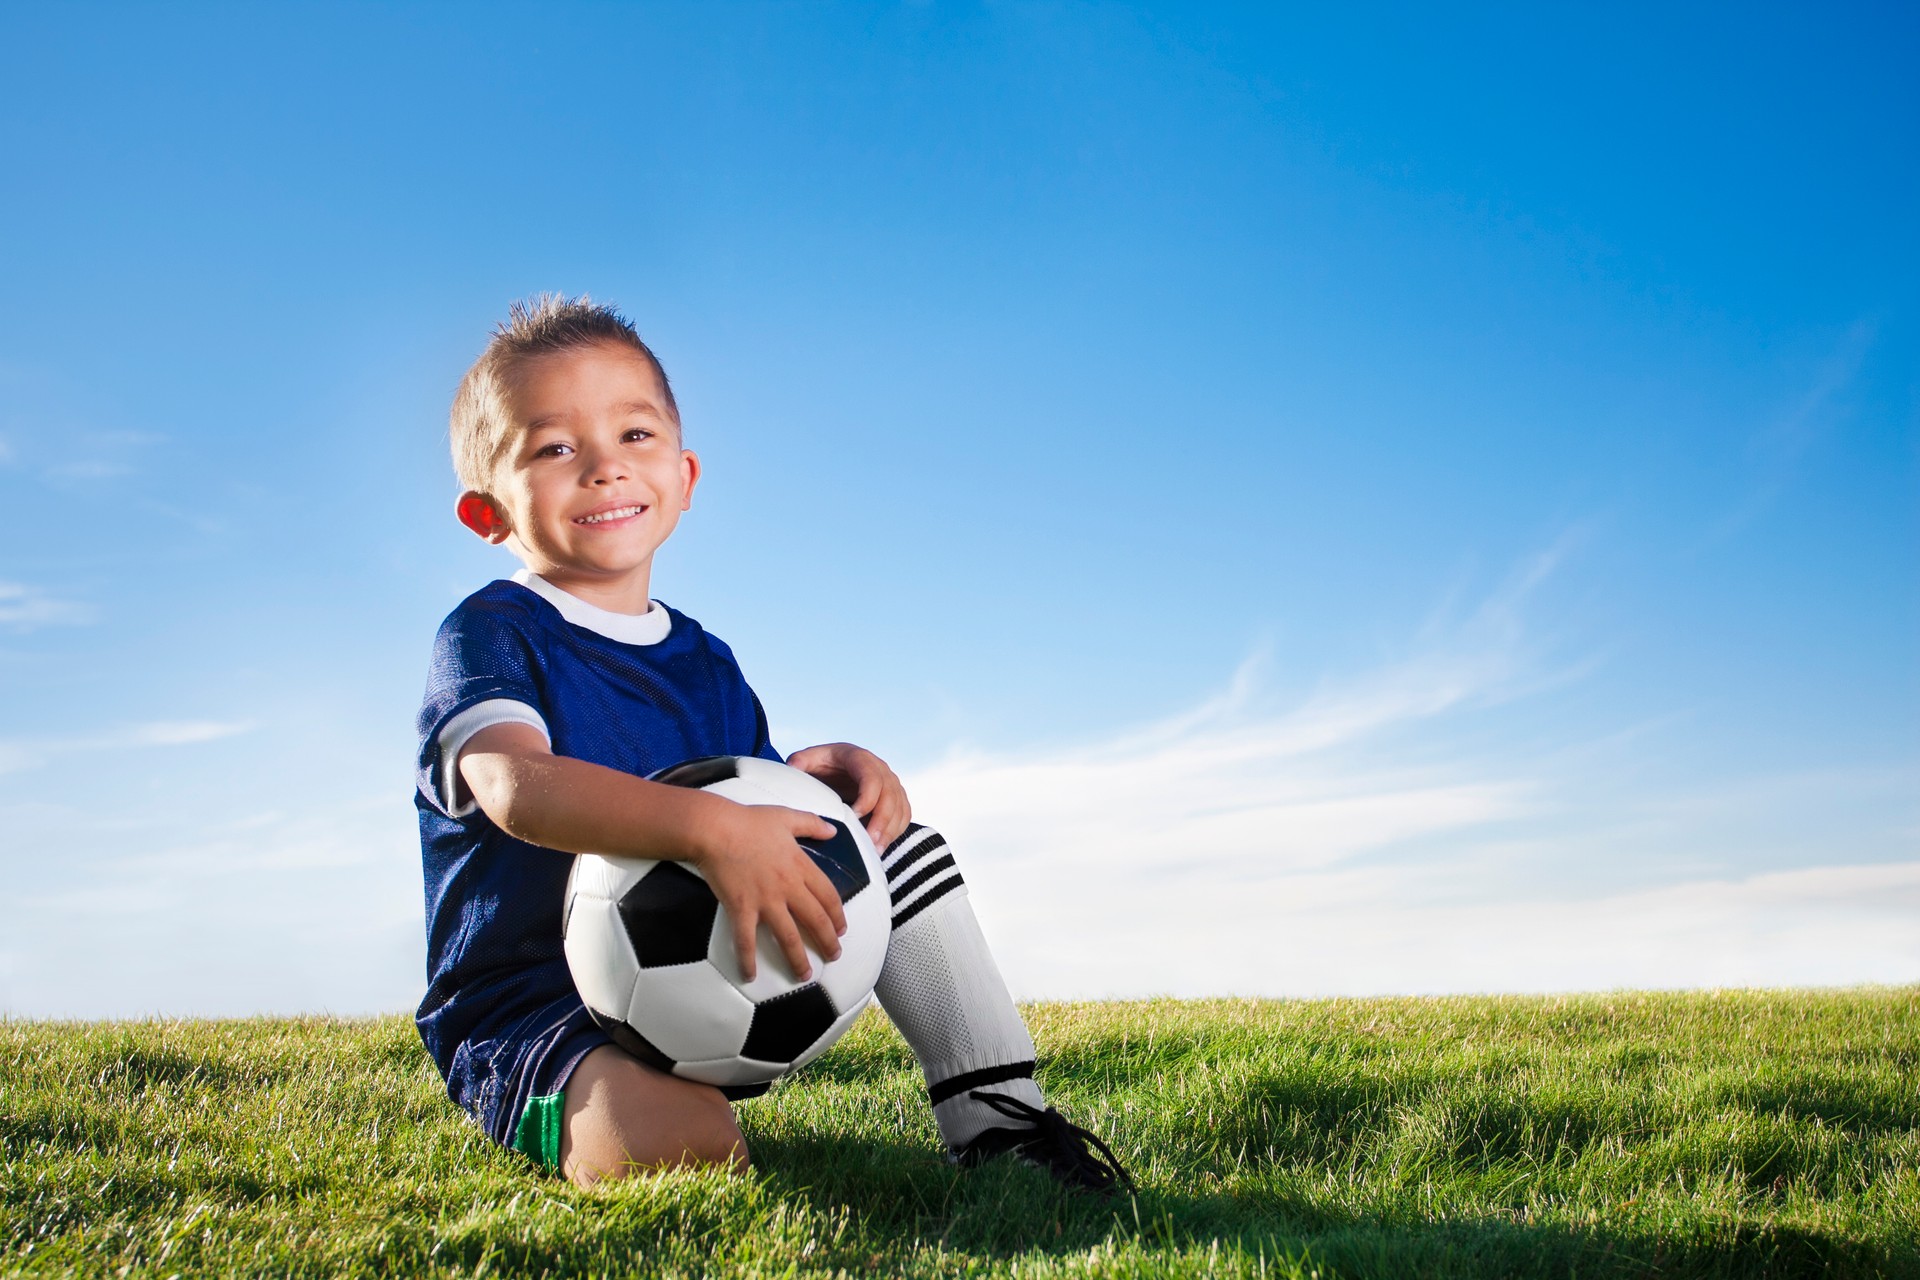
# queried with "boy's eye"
point(554, 450)
point(634, 435)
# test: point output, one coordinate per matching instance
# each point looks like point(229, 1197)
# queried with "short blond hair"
point(479, 426)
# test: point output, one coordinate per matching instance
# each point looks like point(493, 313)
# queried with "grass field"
point(1710, 1134)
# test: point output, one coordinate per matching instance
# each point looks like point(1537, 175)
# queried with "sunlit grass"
point(1710, 1134)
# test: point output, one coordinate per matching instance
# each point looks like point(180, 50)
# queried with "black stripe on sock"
point(927, 899)
point(966, 1080)
point(912, 829)
point(904, 891)
point(913, 855)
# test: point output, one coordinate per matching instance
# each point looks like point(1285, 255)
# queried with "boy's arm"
point(748, 853)
point(865, 781)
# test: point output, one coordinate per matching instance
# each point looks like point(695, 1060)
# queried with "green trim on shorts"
point(538, 1133)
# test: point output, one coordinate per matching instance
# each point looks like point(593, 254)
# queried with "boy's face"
point(595, 478)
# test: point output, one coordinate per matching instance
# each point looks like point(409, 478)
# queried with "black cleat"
point(1049, 1141)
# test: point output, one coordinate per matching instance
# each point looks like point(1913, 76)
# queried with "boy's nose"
point(604, 470)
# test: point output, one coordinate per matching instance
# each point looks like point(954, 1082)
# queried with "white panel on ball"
point(772, 976)
point(799, 790)
point(689, 1011)
point(738, 790)
point(863, 949)
point(608, 878)
point(600, 956)
point(725, 1071)
point(763, 782)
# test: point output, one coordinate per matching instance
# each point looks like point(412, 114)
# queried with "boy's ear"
point(690, 470)
point(478, 512)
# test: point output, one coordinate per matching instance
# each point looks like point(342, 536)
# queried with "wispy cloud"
point(87, 455)
point(170, 733)
point(1777, 452)
point(269, 911)
point(86, 470)
point(1341, 846)
point(25, 608)
point(1348, 842)
point(27, 753)
point(1379, 930)
point(1263, 795)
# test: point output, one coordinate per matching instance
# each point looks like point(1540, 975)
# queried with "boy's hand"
point(749, 854)
point(863, 780)
point(762, 876)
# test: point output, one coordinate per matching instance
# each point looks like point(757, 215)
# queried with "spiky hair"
point(479, 427)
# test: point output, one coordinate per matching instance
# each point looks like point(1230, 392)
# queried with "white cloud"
point(1777, 452)
point(23, 608)
point(172, 733)
point(26, 753)
point(1259, 797)
point(88, 470)
point(88, 457)
point(1368, 931)
point(1349, 846)
point(281, 911)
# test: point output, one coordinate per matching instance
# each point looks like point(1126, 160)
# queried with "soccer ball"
point(651, 949)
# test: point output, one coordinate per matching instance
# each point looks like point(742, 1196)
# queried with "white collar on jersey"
point(650, 627)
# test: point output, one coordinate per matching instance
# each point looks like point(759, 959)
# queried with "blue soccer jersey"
point(501, 1017)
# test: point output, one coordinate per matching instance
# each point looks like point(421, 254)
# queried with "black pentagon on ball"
point(669, 916)
point(703, 772)
point(785, 1026)
point(840, 858)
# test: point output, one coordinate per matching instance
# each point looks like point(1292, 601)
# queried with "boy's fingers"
point(787, 934)
point(810, 826)
point(818, 925)
point(888, 821)
point(745, 943)
point(827, 898)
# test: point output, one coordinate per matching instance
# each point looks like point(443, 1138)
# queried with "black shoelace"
point(1064, 1142)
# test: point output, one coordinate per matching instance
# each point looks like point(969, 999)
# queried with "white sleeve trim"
point(459, 730)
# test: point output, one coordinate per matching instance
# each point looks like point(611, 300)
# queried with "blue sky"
point(1361, 501)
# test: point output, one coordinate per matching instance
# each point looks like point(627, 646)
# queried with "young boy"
point(550, 699)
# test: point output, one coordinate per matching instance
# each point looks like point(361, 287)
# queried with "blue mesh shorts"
point(511, 1073)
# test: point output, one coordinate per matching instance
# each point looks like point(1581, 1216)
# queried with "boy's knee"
point(726, 1151)
point(710, 1135)
point(622, 1118)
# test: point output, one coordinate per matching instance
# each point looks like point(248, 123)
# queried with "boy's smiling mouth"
point(612, 515)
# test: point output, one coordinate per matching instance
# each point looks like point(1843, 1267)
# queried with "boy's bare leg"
point(624, 1117)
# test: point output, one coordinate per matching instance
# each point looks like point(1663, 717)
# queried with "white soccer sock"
point(942, 989)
